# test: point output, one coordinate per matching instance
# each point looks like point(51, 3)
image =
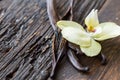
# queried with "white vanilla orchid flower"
point(75, 33)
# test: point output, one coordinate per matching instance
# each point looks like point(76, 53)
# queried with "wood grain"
point(26, 39)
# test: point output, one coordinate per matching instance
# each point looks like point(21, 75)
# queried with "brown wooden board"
point(26, 40)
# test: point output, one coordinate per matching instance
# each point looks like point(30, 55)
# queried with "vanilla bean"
point(69, 13)
point(53, 17)
point(52, 13)
point(53, 50)
point(76, 48)
point(75, 61)
point(61, 51)
point(102, 57)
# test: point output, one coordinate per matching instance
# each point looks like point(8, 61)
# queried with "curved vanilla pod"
point(53, 17)
point(75, 61)
point(103, 59)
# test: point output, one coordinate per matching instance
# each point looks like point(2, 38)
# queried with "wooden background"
point(26, 34)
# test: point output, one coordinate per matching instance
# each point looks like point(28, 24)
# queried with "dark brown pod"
point(76, 48)
point(61, 53)
point(103, 59)
point(75, 61)
point(69, 12)
point(53, 17)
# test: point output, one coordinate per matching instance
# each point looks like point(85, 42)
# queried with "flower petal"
point(93, 50)
point(92, 19)
point(109, 30)
point(63, 24)
point(76, 36)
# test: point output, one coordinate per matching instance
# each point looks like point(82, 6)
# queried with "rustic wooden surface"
point(26, 36)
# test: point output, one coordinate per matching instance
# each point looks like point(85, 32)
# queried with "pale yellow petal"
point(93, 50)
point(92, 19)
point(63, 24)
point(76, 36)
point(109, 30)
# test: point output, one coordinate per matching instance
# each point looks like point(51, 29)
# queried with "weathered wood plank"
point(26, 36)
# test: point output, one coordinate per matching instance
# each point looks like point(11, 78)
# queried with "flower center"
point(91, 29)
